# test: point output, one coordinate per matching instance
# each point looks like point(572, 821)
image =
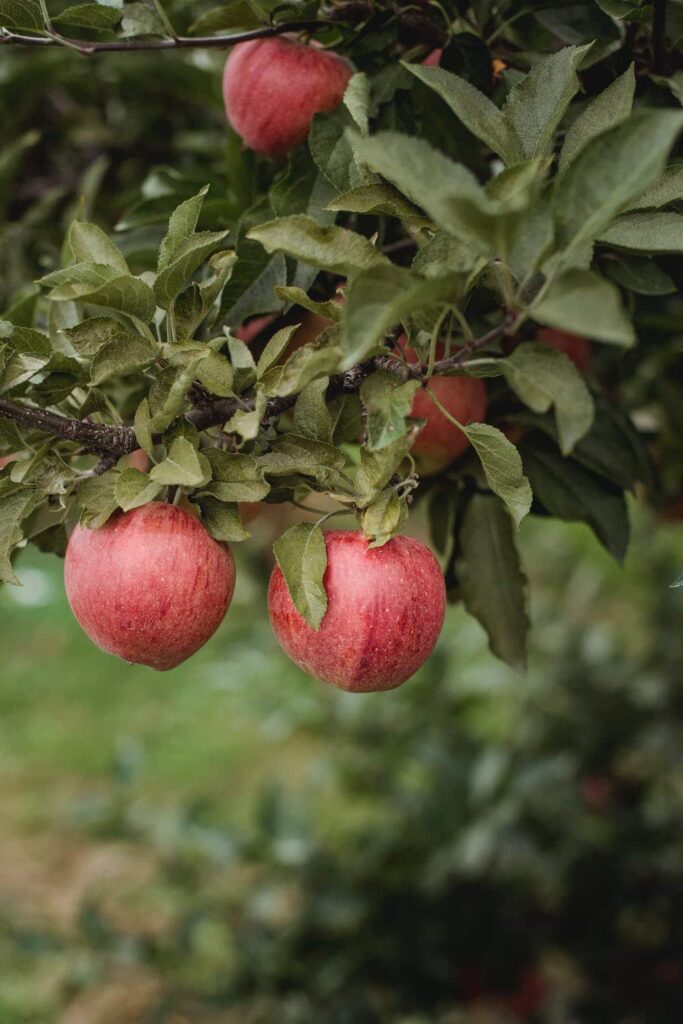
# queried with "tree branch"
point(96, 437)
point(109, 441)
point(90, 49)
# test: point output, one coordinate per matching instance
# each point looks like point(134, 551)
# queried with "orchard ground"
point(112, 773)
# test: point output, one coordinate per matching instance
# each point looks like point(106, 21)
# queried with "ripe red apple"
point(150, 586)
point(136, 460)
point(433, 59)
point(385, 609)
point(273, 87)
point(440, 441)
point(577, 348)
point(250, 330)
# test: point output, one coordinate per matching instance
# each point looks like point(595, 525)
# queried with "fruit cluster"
point(152, 586)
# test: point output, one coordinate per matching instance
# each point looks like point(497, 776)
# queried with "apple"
point(6, 459)
point(136, 460)
point(150, 586)
point(573, 345)
point(440, 441)
point(273, 87)
point(385, 609)
point(253, 328)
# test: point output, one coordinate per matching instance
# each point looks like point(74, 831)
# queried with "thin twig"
point(89, 49)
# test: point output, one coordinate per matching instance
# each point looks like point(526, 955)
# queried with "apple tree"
point(434, 264)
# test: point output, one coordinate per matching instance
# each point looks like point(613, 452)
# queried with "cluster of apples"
point(152, 586)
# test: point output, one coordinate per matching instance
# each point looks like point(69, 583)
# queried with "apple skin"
point(273, 87)
point(385, 610)
point(578, 349)
point(150, 586)
point(440, 441)
point(251, 330)
point(136, 460)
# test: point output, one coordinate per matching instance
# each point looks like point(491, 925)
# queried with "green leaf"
point(222, 519)
point(275, 349)
point(92, 334)
point(449, 192)
point(97, 500)
point(502, 468)
point(216, 374)
point(133, 489)
point(141, 20)
point(543, 377)
point(303, 366)
point(475, 110)
point(181, 227)
point(183, 467)
point(330, 310)
point(331, 149)
point(186, 259)
point(102, 285)
point(377, 468)
point(534, 108)
point(668, 189)
point(233, 15)
point(89, 244)
point(639, 275)
point(569, 491)
point(582, 302)
point(236, 477)
point(243, 365)
point(382, 200)
point(252, 285)
point(331, 248)
point(492, 583)
point(124, 354)
point(379, 299)
point(646, 232)
point(142, 426)
point(292, 454)
point(357, 100)
point(89, 15)
point(612, 106)
point(13, 509)
point(311, 415)
point(23, 14)
point(384, 518)
point(302, 557)
point(611, 171)
point(387, 402)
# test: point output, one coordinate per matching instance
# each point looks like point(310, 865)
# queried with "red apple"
point(273, 87)
point(6, 459)
point(440, 441)
point(250, 330)
point(433, 59)
point(150, 586)
point(577, 348)
point(385, 609)
point(136, 460)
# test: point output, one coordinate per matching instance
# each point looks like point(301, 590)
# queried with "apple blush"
point(385, 610)
point(150, 586)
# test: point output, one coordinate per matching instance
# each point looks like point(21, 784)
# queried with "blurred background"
point(233, 842)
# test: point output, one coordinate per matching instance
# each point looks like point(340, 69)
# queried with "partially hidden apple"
point(385, 610)
point(150, 586)
point(440, 441)
point(273, 87)
point(578, 349)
